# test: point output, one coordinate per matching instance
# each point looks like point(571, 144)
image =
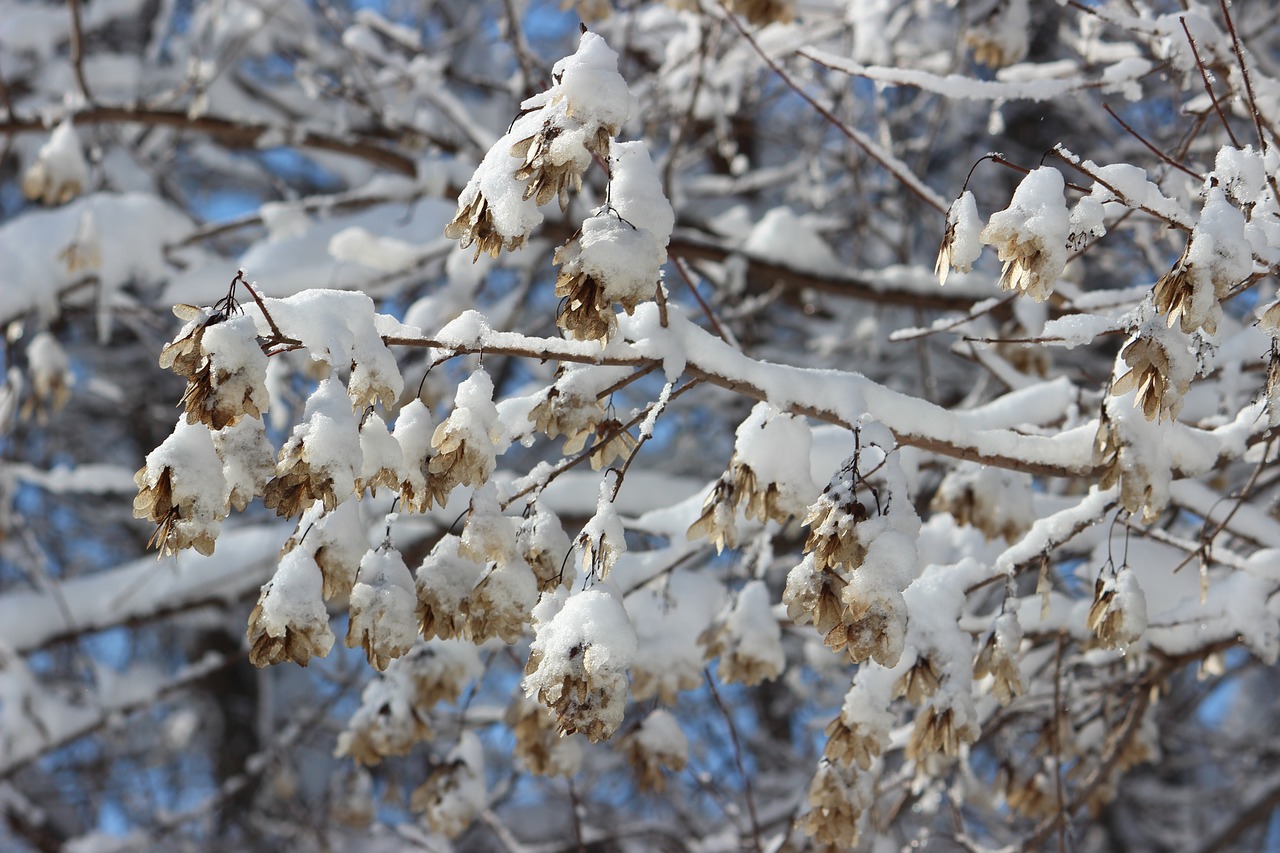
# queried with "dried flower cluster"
point(998, 658)
point(454, 795)
point(545, 153)
point(617, 255)
point(382, 608)
point(995, 501)
point(1214, 261)
point(838, 800)
point(59, 172)
point(1160, 387)
point(290, 621)
point(1031, 234)
point(1119, 613)
point(655, 747)
point(539, 744)
point(746, 639)
point(579, 659)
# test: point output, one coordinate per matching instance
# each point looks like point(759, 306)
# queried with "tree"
point(595, 419)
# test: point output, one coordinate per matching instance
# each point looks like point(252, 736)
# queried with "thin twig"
point(894, 167)
point(77, 49)
point(1204, 75)
point(1150, 147)
point(235, 134)
point(737, 757)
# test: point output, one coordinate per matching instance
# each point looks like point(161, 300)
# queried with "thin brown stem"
point(1208, 87)
point(1150, 146)
point(895, 168)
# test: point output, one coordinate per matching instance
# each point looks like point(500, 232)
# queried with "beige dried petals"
point(1110, 616)
point(667, 685)
point(612, 444)
point(569, 415)
point(474, 224)
point(298, 642)
point(653, 757)
point(500, 604)
point(835, 807)
point(1174, 295)
point(538, 742)
point(583, 701)
point(1149, 374)
point(762, 12)
point(833, 536)
point(936, 732)
point(154, 502)
point(718, 522)
point(452, 796)
point(1030, 797)
point(999, 662)
point(814, 594)
point(858, 743)
point(1270, 319)
point(762, 504)
point(736, 664)
point(586, 313)
point(919, 682)
point(547, 178)
point(296, 484)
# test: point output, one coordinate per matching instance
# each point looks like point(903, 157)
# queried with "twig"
point(1244, 72)
point(235, 134)
point(77, 49)
point(893, 166)
point(737, 757)
point(1151, 147)
point(1204, 75)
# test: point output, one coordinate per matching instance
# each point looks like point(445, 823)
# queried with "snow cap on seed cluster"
point(1031, 234)
point(583, 646)
point(382, 608)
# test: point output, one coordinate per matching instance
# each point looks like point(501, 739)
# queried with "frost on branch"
point(181, 490)
point(1031, 235)
point(546, 151)
point(582, 648)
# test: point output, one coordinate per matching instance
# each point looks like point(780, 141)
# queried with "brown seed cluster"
point(1160, 390)
point(539, 744)
point(849, 743)
point(836, 806)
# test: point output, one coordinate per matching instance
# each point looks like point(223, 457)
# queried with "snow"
point(246, 558)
